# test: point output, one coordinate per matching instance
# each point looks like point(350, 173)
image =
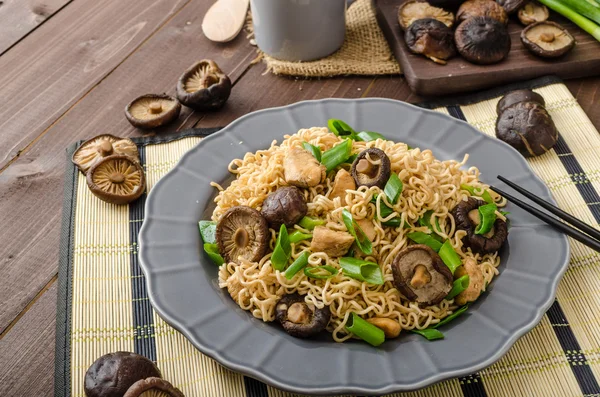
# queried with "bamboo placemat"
point(103, 305)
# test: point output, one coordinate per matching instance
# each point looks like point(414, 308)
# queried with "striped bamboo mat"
point(104, 307)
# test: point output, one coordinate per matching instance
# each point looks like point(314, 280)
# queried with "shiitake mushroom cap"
point(314, 319)
point(482, 40)
point(478, 243)
point(511, 6)
point(532, 12)
point(431, 38)
point(242, 232)
point(517, 96)
point(481, 8)
point(367, 174)
point(285, 206)
point(547, 39)
point(152, 111)
point(204, 86)
point(414, 10)
point(117, 179)
point(528, 127)
point(101, 146)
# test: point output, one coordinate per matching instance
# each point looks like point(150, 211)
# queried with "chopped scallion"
point(314, 150)
point(337, 155)
point(393, 188)
point(365, 330)
point(310, 223)
point(425, 220)
point(212, 250)
point(428, 333)
point(283, 250)
point(340, 128)
point(208, 231)
point(427, 239)
point(451, 317)
point(449, 256)
point(368, 136)
point(358, 269)
point(299, 264)
point(487, 217)
point(363, 242)
point(459, 285)
point(485, 195)
point(297, 236)
point(320, 272)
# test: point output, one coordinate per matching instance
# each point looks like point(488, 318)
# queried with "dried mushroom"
point(93, 150)
point(412, 11)
point(371, 168)
point(547, 39)
point(152, 111)
point(113, 374)
point(482, 40)
point(528, 127)
point(431, 38)
point(300, 319)
point(117, 179)
point(153, 383)
point(466, 217)
point(204, 86)
point(481, 8)
point(533, 12)
point(511, 6)
point(242, 232)
point(518, 96)
point(285, 206)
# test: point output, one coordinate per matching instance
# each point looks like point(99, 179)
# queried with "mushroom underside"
point(412, 11)
point(371, 167)
point(466, 218)
point(242, 232)
point(300, 319)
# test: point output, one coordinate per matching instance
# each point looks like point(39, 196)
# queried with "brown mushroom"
point(518, 96)
point(300, 319)
point(101, 146)
point(371, 168)
point(302, 169)
point(153, 383)
point(547, 39)
point(333, 243)
point(528, 127)
point(285, 206)
point(471, 269)
point(481, 8)
point(421, 275)
point(113, 374)
point(204, 86)
point(533, 12)
point(242, 232)
point(411, 11)
point(511, 6)
point(343, 181)
point(152, 111)
point(117, 179)
point(482, 40)
point(466, 217)
point(390, 328)
point(432, 39)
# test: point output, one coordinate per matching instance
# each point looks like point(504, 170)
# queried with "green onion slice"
point(487, 217)
point(368, 136)
point(283, 250)
point(212, 250)
point(384, 212)
point(365, 330)
point(208, 231)
point(428, 333)
point(314, 150)
point(351, 159)
point(393, 188)
point(451, 317)
point(449, 256)
point(300, 263)
point(425, 220)
point(363, 242)
point(485, 195)
point(297, 236)
point(459, 285)
point(340, 128)
point(320, 272)
point(362, 270)
point(427, 239)
point(337, 155)
point(310, 223)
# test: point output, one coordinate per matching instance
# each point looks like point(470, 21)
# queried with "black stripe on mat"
point(255, 388)
point(143, 319)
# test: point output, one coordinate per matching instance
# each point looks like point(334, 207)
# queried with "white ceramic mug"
point(299, 30)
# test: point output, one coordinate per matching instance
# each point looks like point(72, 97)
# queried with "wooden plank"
point(47, 72)
point(587, 93)
point(18, 18)
point(27, 351)
point(31, 188)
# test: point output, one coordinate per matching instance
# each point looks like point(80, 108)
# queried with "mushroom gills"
point(412, 11)
point(371, 168)
point(117, 179)
point(152, 111)
point(466, 217)
point(95, 149)
point(300, 319)
point(204, 86)
point(533, 12)
point(481, 8)
point(242, 232)
point(547, 39)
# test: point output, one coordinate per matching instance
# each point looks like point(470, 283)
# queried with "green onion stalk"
point(573, 10)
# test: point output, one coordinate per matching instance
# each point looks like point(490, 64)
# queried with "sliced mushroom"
point(204, 86)
point(113, 374)
point(518, 96)
point(101, 146)
point(533, 12)
point(482, 40)
point(331, 242)
point(547, 39)
point(390, 328)
point(152, 111)
point(302, 169)
point(412, 11)
point(300, 319)
point(343, 181)
point(367, 226)
point(471, 269)
point(511, 6)
point(371, 168)
point(285, 206)
point(432, 39)
point(528, 127)
point(153, 383)
point(242, 232)
point(117, 179)
point(466, 217)
point(481, 8)
point(421, 275)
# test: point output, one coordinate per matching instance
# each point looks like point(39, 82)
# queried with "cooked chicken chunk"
point(367, 226)
point(343, 181)
point(302, 169)
point(332, 242)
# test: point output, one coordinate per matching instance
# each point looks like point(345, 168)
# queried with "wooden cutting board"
point(428, 78)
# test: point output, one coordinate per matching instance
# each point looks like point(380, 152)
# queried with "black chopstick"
point(552, 221)
point(584, 227)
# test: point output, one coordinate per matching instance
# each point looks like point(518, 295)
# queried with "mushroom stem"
point(105, 148)
point(155, 107)
point(298, 313)
point(420, 277)
point(364, 166)
point(116, 177)
point(241, 237)
point(547, 37)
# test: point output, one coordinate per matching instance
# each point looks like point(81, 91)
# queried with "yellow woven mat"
point(103, 305)
point(364, 52)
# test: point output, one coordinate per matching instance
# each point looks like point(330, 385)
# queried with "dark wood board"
point(428, 78)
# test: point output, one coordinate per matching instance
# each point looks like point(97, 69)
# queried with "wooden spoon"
point(225, 19)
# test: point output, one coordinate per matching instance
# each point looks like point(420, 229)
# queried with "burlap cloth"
point(364, 52)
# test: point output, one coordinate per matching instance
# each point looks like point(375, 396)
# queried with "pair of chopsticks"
point(586, 234)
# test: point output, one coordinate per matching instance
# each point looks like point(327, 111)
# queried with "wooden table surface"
point(67, 70)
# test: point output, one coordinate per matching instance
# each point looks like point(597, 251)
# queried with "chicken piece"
point(367, 226)
point(331, 242)
point(302, 169)
point(343, 181)
point(475, 274)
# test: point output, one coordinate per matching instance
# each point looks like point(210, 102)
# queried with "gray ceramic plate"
point(182, 281)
